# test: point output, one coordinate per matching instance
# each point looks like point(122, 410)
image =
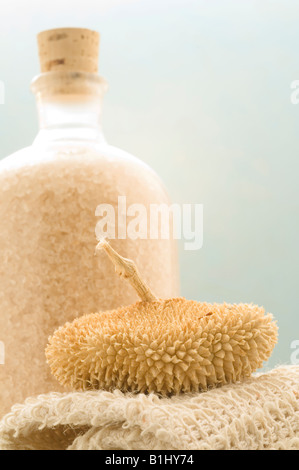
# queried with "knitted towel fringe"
point(262, 413)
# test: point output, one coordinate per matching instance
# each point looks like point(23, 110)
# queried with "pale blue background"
point(200, 90)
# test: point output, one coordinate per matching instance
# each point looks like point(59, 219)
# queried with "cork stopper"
point(69, 50)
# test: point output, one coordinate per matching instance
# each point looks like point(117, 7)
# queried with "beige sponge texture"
point(165, 346)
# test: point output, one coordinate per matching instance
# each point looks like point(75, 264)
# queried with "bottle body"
point(48, 271)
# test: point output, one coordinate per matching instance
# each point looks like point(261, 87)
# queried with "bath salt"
point(49, 195)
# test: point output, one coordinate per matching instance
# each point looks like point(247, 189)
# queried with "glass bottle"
point(52, 195)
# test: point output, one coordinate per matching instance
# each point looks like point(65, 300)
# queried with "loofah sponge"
point(163, 346)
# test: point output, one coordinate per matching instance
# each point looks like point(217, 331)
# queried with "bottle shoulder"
point(84, 160)
point(17, 159)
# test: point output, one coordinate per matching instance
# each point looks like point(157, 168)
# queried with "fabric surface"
point(260, 414)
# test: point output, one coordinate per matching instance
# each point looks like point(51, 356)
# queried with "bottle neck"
point(69, 108)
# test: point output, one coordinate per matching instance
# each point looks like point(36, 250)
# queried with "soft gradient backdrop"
point(200, 90)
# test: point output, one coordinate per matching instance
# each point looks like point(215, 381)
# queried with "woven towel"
point(261, 413)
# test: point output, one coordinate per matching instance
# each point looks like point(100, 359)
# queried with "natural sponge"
point(163, 346)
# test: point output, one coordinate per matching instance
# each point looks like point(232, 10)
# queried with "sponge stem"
point(127, 269)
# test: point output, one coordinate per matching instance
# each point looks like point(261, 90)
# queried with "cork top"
point(69, 49)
